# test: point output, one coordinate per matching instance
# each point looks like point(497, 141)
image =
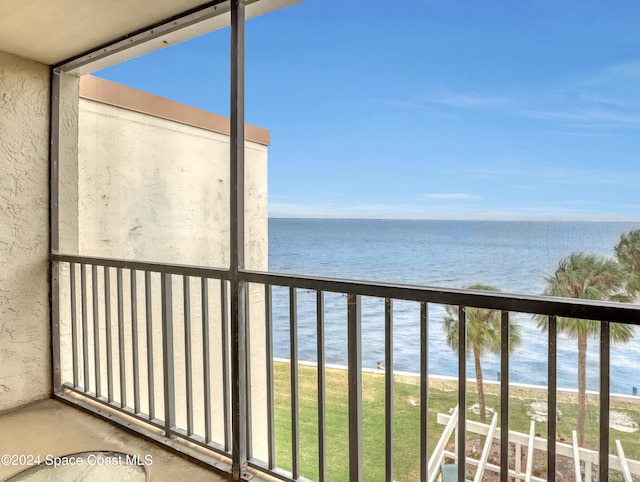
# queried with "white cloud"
point(445, 97)
point(451, 195)
point(439, 97)
point(622, 75)
point(445, 211)
point(538, 175)
point(513, 213)
point(606, 99)
point(598, 118)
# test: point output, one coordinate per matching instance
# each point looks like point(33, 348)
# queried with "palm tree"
point(628, 255)
point(594, 278)
point(483, 335)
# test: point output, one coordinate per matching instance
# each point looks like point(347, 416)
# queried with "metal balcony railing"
point(122, 326)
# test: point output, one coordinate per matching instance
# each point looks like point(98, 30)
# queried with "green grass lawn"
point(442, 397)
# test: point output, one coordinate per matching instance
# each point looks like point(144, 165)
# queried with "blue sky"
point(431, 109)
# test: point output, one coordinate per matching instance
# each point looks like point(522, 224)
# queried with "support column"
point(238, 288)
point(64, 233)
point(54, 230)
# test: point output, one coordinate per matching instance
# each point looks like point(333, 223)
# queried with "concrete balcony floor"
point(51, 427)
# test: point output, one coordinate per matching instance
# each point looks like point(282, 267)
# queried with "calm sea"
point(513, 256)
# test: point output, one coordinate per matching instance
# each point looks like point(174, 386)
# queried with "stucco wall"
point(24, 196)
point(157, 189)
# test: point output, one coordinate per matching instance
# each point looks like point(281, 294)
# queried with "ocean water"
point(513, 256)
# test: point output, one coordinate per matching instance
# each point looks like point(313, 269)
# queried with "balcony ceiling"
point(51, 31)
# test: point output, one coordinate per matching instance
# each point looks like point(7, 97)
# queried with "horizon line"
point(539, 220)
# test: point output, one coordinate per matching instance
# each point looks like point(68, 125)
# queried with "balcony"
point(180, 358)
point(174, 314)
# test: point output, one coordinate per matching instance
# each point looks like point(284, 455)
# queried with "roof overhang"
point(81, 36)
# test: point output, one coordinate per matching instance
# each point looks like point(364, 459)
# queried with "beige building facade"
point(153, 185)
point(153, 180)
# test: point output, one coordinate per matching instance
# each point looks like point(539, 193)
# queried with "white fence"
point(529, 443)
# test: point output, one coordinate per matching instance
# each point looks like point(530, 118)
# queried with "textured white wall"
point(156, 190)
point(25, 367)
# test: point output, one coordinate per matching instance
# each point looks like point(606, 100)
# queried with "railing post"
point(188, 360)
point(424, 388)
point(268, 330)
point(552, 404)
point(74, 325)
point(206, 361)
point(504, 396)
point(238, 385)
point(389, 381)
point(108, 335)
point(322, 437)
point(85, 327)
point(226, 387)
point(354, 341)
point(121, 353)
point(96, 330)
point(247, 370)
point(238, 287)
point(134, 341)
point(605, 386)
point(149, 329)
point(55, 327)
point(293, 365)
point(462, 393)
point(167, 354)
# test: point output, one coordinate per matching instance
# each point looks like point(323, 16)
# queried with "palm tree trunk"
point(582, 386)
point(480, 384)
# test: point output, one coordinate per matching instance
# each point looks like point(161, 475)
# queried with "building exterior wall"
point(152, 184)
point(157, 189)
point(25, 367)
